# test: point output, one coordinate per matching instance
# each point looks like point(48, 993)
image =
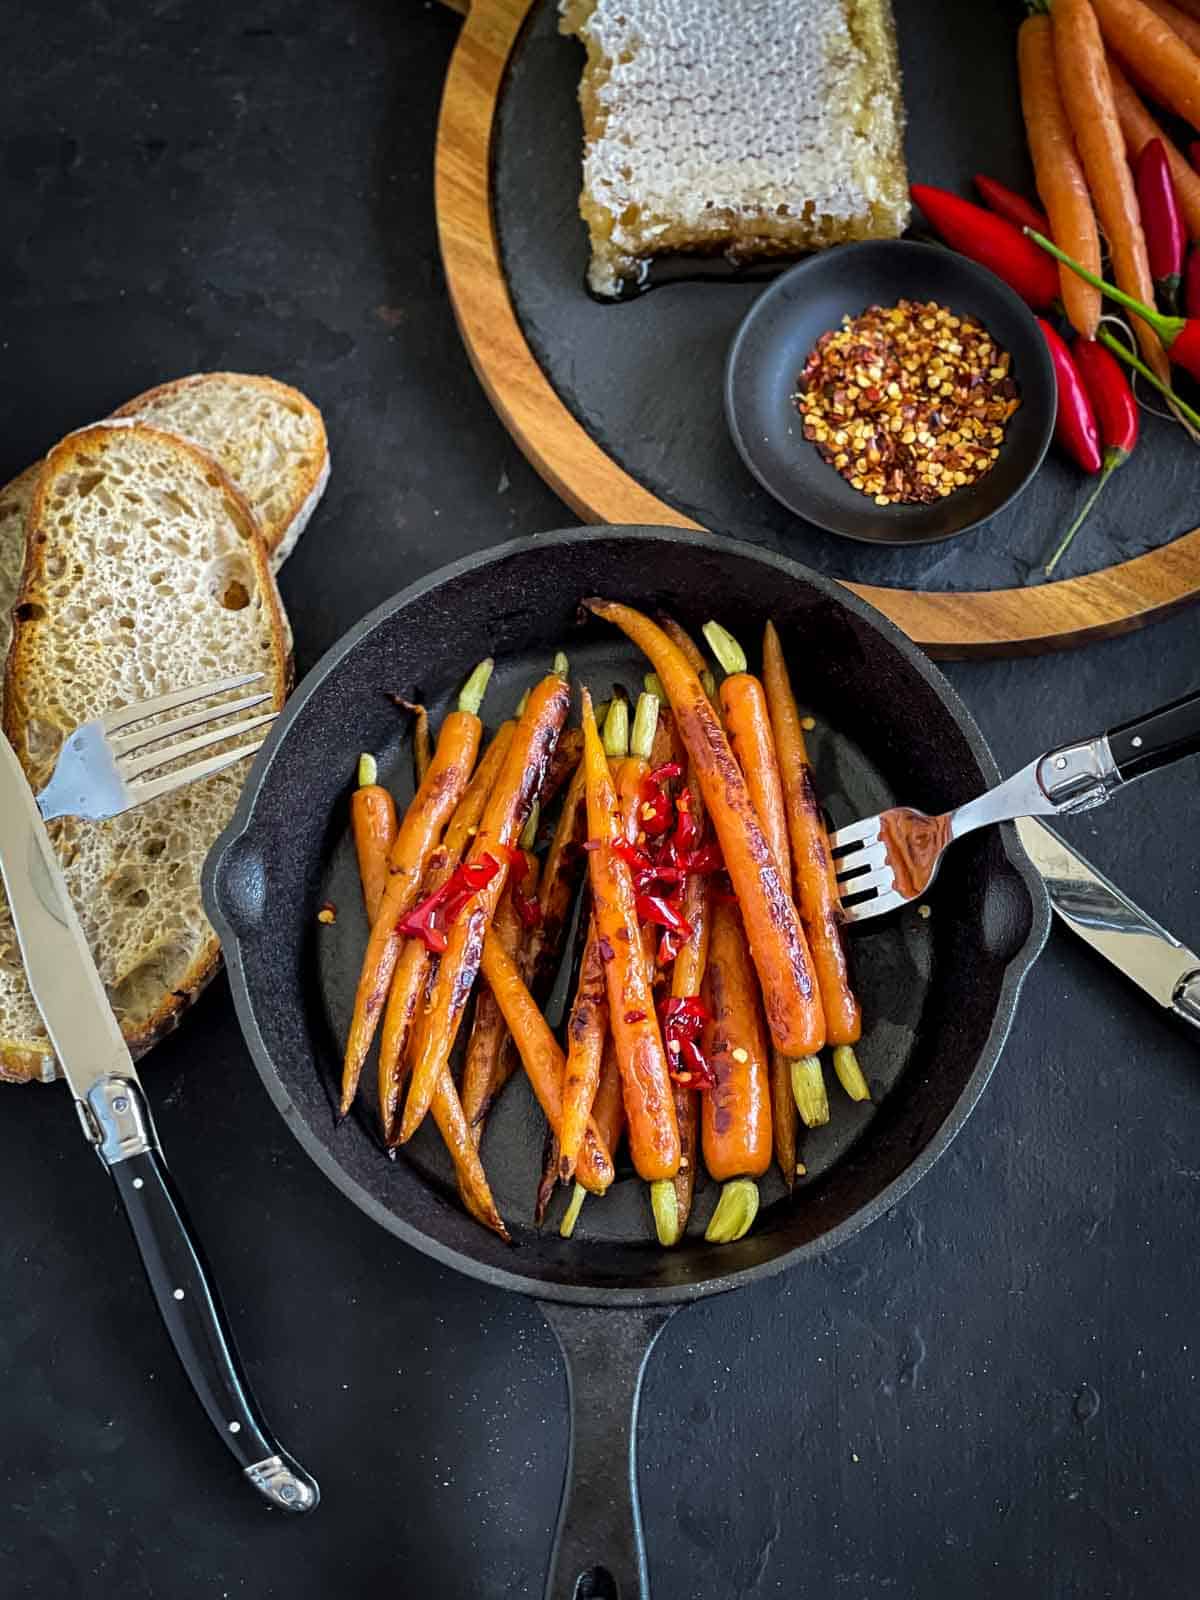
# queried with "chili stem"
point(735, 1213)
point(664, 1202)
point(645, 724)
point(368, 770)
point(808, 1091)
point(729, 653)
point(1165, 327)
point(1132, 359)
point(850, 1075)
point(571, 1216)
point(1112, 459)
point(470, 696)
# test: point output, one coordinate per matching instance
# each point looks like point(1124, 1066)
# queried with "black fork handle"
point(1158, 738)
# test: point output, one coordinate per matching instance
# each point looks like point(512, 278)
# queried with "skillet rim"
point(585, 1294)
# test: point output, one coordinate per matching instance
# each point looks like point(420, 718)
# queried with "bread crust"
point(22, 1059)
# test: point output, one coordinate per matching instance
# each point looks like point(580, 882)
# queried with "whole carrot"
point(422, 746)
point(505, 815)
point(1138, 128)
point(542, 1059)
point(451, 1123)
point(1187, 27)
point(812, 863)
point(560, 879)
point(777, 943)
point(411, 978)
point(427, 816)
point(587, 1029)
point(1153, 51)
point(649, 1107)
point(1087, 94)
point(690, 651)
point(564, 763)
point(489, 1031)
point(608, 1113)
point(735, 1114)
point(748, 724)
point(373, 821)
point(1061, 182)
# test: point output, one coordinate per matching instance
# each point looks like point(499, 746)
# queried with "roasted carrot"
point(587, 1029)
point(560, 878)
point(563, 764)
point(1087, 94)
point(1153, 51)
point(690, 651)
point(373, 822)
point(812, 864)
point(777, 943)
point(735, 1114)
point(1188, 28)
point(412, 973)
point(671, 1198)
point(456, 1135)
point(542, 1059)
point(649, 1107)
point(1138, 128)
point(489, 1030)
point(608, 1113)
point(1061, 182)
point(427, 816)
point(668, 746)
point(504, 816)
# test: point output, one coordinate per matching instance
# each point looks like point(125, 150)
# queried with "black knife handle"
point(187, 1298)
point(1158, 738)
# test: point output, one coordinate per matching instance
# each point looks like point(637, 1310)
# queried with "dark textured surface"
point(647, 377)
point(993, 1391)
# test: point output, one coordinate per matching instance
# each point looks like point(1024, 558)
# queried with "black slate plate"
point(646, 378)
point(783, 326)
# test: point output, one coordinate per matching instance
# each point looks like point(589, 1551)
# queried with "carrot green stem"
point(571, 1216)
point(561, 665)
point(729, 653)
point(368, 770)
point(1165, 327)
point(1132, 359)
point(616, 729)
point(808, 1091)
point(735, 1213)
point(664, 1202)
point(529, 832)
point(652, 685)
point(850, 1075)
point(1112, 460)
point(522, 703)
point(645, 724)
point(471, 695)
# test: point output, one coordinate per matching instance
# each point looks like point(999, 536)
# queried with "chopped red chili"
point(682, 1022)
point(429, 919)
point(635, 1016)
point(687, 829)
point(658, 909)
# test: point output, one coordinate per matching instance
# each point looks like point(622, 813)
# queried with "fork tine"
point(882, 879)
point(193, 719)
point(124, 715)
point(159, 758)
point(866, 831)
point(875, 907)
point(139, 793)
point(868, 858)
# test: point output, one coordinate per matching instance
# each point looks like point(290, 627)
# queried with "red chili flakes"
point(635, 1016)
point(605, 948)
point(908, 402)
point(327, 913)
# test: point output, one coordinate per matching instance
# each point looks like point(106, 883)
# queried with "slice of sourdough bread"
point(268, 436)
point(146, 572)
point(15, 500)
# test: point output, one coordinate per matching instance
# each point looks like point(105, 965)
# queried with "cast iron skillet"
point(938, 993)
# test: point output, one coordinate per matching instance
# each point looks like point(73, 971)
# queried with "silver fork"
point(886, 861)
point(102, 772)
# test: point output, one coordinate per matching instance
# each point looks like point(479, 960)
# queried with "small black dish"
point(774, 341)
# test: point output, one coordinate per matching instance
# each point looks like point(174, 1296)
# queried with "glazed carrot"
point(812, 865)
point(1087, 94)
point(777, 943)
point(653, 1135)
point(690, 651)
point(1061, 182)
point(456, 1135)
point(1188, 28)
point(608, 1113)
point(743, 702)
point(542, 1059)
point(489, 1031)
point(1138, 128)
point(668, 746)
point(373, 822)
point(560, 878)
point(587, 1029)
point(735, 1114)
point(412, 973)
point(508, 807)
point(427, 816)
point(1154, 53)
point(563, 764)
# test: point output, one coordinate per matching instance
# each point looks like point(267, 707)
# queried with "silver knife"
point(1110, 922)
point(116, 1121)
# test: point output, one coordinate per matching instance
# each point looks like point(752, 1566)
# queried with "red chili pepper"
point(682, 1023)
point(687, 829)
point(1161, 220)
point(1075, 423)
point(429, 919)
point(1011, 206)
point(993, 242)
point(659, 910)
point(665, 773)
point(1180, 335)
point(1117, 413)
point(1191, 283)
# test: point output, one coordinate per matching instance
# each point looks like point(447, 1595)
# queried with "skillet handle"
point(598, 1552)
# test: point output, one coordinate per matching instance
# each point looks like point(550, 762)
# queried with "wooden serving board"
point(619, 408)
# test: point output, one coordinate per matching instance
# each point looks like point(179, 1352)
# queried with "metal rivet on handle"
point(121, 1103)
point(287, 1491)
point(1136, 741)
point(235, 1427)
point(1060, 762)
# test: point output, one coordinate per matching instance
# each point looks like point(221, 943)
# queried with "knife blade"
point(116, 1120)
point(1109, 921)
